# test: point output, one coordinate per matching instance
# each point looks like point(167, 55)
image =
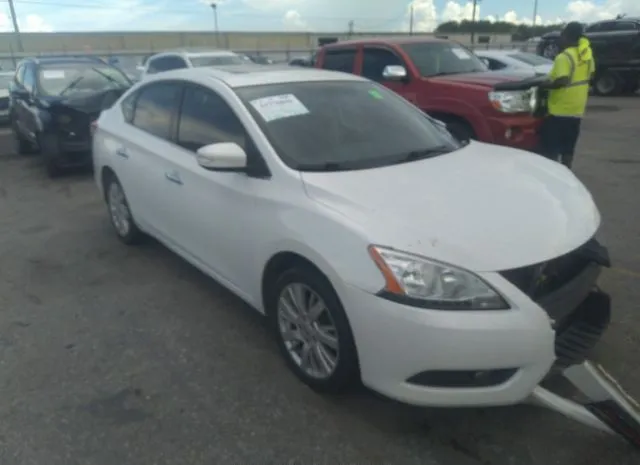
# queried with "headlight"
point(415, 280)
point(514, 101)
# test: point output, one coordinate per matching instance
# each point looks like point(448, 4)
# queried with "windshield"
point(60, 79)
point(217, 60)
point(441, 58)
point(5, 81)
point(531, 59)
point(340, 125)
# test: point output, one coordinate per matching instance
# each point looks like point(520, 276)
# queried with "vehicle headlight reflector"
point(514, 101)
point(419, 281)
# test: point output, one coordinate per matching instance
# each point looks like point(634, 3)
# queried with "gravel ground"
point(127, 356)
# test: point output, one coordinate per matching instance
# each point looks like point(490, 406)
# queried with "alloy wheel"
point(119, 210)
point(308, 331)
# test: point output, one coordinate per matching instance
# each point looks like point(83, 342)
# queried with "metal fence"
point(128, 60)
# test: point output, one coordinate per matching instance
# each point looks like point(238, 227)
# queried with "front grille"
point(4, 103)
point(542, 279)
point(565, 288)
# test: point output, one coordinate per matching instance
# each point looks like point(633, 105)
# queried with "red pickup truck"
point(445, 80)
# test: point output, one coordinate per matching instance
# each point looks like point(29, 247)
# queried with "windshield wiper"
point(107, 77)
point(425, 153)
point(326, 166)
point(71, 85)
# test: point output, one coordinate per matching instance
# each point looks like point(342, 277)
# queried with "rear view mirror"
point(394, 73)
point(223, 156)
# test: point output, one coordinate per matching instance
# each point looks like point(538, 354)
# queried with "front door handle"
point(122, 152)
point(174, 177)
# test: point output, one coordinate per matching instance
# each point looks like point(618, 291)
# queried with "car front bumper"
point(474, 358)
point(518, 131)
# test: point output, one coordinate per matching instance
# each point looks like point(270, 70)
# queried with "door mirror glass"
point(223, 156)
point(394, 73)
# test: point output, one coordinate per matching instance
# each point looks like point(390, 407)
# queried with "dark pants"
point(558, 138)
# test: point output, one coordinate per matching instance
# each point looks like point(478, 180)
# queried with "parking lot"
point(127, 356)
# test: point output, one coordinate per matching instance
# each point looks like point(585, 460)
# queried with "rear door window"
point(156, 108)
point(340, 60)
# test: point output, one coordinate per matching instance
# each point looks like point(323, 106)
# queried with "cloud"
point(28, 23)
point(589, 11)
point(270, 5)
point(293, 20)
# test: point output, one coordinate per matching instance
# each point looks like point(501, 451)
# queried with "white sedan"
point(380, 249)
point(515, 60)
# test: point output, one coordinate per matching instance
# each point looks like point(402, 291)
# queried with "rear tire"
point(119, 212)
point(330, 330)
point(607, 84)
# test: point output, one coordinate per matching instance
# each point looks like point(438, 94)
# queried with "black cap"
point(573, 31)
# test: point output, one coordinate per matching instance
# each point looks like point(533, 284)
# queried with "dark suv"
point(616, 48)
point(54, 100)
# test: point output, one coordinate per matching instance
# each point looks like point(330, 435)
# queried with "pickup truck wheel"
point(607, 84)
point(461, 130)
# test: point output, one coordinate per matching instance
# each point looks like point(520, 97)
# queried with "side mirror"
point(394, 73)
point(223, 156)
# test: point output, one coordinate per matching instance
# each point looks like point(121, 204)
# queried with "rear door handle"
point(122, 152)
point(174, 177)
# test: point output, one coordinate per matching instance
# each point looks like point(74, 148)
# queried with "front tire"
point(50, 150)
point(312, 330)
point(120, 213)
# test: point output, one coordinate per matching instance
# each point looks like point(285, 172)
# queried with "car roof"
point(255, 75)
point(389, 41)
point(191, 53)
point(61, 59)
point(497, 53)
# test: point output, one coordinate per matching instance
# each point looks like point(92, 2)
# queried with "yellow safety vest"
point(578, 65)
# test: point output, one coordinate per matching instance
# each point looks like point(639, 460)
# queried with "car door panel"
point(218, 209)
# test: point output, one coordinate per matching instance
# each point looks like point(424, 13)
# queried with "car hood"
point(483, 79)
point(483, 207)
point(543, 69)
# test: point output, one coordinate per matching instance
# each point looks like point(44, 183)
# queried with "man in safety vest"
point(568, 86)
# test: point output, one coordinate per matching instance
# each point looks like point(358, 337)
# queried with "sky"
point(292, 15)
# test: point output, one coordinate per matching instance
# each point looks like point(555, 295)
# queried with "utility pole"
point(473, 23)
point(16, 29)
point(214, 7)
point(535, 15)
point(411, 20)
point(351, 26)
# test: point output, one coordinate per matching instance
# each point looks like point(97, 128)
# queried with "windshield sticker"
point(461, 53)
point(375, 93)
point(279, 107)
point(53, 74)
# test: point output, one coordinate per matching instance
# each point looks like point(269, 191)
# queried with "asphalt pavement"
point(112, 355)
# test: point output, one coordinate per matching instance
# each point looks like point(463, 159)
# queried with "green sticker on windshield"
point(375, 94)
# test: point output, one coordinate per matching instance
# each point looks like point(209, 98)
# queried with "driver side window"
point(374, 61)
